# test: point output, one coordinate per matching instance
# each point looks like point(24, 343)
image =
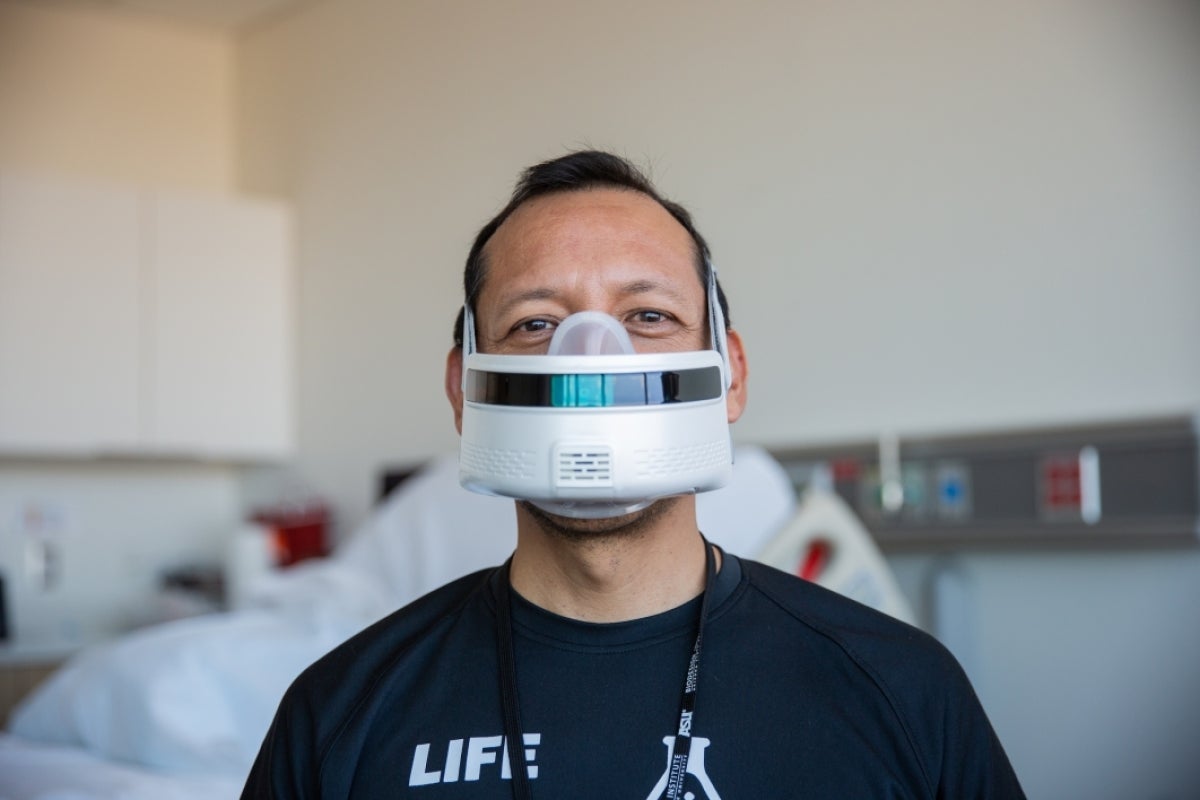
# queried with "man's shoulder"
point(332, 702)
point(377, 648)
point(894, 666)
point(813, 603)
point(427, 610)
point(892, 652)
point(905, 669)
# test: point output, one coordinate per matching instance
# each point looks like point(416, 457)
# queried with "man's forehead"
point(588, 224)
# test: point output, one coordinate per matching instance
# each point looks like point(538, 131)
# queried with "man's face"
point(608, 250)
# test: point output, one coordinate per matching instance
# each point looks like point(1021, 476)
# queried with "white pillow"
point(192, 696)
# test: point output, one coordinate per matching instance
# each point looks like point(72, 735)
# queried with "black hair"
point(583, 169)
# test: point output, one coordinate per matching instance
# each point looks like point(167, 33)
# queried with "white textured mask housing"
point(592, 428)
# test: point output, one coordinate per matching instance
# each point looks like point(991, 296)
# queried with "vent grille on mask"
point(491, 461)
point(584, 466)
point(673, 461)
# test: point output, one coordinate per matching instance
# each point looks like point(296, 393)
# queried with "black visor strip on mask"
point(601, 390)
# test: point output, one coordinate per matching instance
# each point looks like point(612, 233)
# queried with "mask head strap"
point(468, 337)
point(716, 322)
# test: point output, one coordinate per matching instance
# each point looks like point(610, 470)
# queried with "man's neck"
point(611, 578)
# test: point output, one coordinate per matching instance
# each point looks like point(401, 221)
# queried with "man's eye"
point(534, 326)
point(650, 317)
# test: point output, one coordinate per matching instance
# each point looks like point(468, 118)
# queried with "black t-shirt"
point(802, 693)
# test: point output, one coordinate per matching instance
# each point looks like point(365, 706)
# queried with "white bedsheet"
point(32, 771)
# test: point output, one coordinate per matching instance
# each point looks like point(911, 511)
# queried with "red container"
point(300, 532)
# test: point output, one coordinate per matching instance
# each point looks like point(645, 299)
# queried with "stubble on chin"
point(595, 531)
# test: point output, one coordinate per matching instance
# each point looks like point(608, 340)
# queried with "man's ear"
point(454, 371)
point(735, 396)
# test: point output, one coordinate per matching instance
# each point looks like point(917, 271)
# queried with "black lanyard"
point(515, 744)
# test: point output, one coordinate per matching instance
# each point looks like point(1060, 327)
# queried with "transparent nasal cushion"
point(590, 333)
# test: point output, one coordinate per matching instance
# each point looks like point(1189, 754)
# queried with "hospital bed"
point(178, 710)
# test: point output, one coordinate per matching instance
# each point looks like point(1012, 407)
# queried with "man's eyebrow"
point(636, 287)
point(541, 293)
point(646, 287)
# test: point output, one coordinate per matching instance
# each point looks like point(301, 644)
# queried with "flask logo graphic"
point(695, 768)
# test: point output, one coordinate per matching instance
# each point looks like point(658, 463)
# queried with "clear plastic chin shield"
point(593, 429)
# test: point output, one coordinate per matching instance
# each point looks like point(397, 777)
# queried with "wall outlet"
point(41, 526)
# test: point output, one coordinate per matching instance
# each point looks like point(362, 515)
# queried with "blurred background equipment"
point(1134, 482)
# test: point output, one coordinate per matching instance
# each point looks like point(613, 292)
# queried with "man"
point(628, 657)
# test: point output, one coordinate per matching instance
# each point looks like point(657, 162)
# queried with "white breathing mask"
point(593, 429)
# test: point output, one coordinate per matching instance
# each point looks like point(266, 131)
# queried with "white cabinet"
point(219, 357)
point(143, 323)
point(69, 316)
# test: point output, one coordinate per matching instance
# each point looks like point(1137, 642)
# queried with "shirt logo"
point(482, 753)
point(695, 768)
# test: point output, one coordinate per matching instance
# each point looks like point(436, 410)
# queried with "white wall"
point(88, 92)
point(930, 217)
point(85, 90)
point(941, 218)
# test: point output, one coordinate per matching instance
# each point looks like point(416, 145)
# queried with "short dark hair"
point(583, 169)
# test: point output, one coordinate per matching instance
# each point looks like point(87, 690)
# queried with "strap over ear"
point(468, 337)
point(716, 322)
